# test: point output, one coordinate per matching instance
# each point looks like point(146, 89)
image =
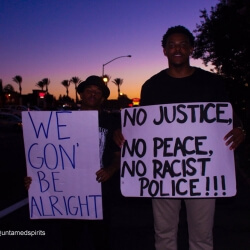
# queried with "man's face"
point(178, 50)
point(92, 97)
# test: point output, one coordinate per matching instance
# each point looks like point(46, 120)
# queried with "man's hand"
point(104, 174)
point(27, 182)
point(234, 138)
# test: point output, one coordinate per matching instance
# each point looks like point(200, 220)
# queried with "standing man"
point(94, 93)
point(182, 83)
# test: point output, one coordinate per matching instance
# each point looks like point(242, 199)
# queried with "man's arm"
point(105, 174)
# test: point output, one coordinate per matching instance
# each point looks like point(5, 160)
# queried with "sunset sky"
point(59, 39)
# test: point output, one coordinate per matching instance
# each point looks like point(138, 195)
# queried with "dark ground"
point(132, 222)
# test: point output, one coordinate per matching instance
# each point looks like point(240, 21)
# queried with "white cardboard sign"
point(177, 150)
point(62, 156)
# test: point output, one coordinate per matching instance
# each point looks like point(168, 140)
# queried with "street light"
point(105, 78)
point(112, 61)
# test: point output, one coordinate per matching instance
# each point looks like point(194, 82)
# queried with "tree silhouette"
point(223, 39)
point(18, 79)
point(46, 82)
point(76, 80)
point(40, 84)
point(66, 84)
point(118, 82)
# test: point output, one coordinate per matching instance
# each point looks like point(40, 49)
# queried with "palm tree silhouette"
point(76, 80)
point(18, 79)
point(40, 84)
point(46, 82)
point(66, 84)
point(118, 82)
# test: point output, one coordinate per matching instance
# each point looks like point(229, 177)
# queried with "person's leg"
point(166, 220)
point(72, 231)
point(99, 234)
point(200, 218)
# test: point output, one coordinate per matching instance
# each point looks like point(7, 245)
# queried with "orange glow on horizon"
point(133, 81)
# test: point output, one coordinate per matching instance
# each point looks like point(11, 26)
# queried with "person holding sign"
point(93, 93)
point(182, 83)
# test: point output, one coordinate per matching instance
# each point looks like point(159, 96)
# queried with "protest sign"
point(177, 150)
point(62, 157)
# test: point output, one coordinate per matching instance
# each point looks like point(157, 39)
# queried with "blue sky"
point(59, 39)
